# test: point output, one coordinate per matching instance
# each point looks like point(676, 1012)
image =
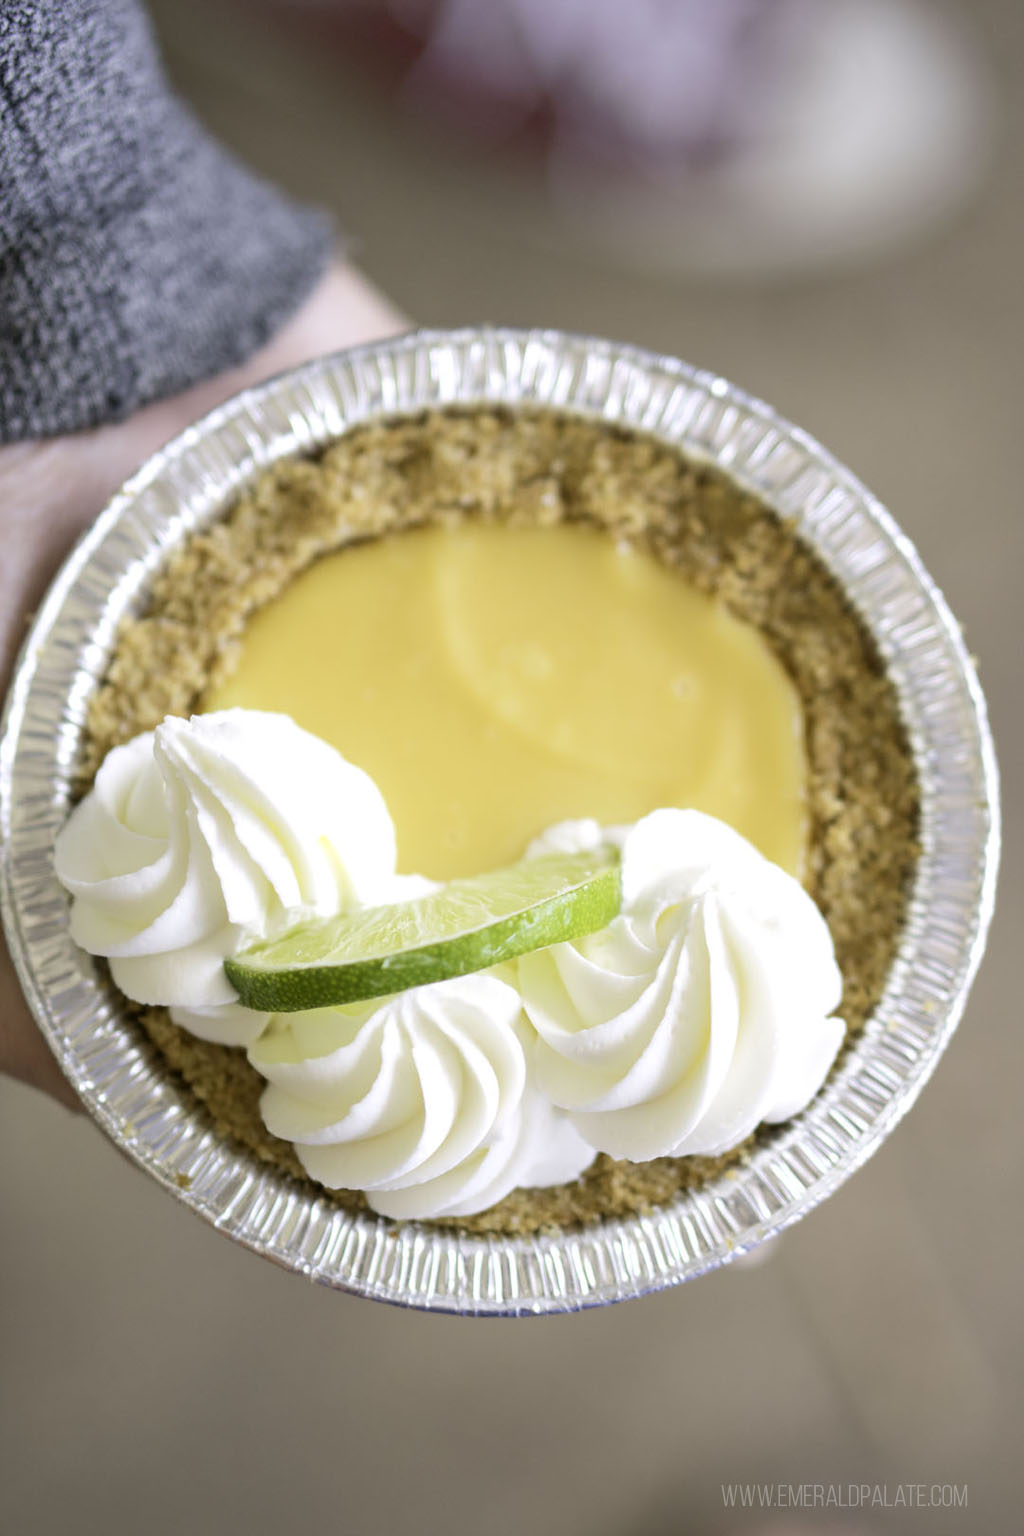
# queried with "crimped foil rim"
point(154, 1119)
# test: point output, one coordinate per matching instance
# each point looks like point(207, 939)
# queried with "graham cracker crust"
point(542, 468)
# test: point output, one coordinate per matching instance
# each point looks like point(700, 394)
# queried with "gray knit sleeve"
point(136, 257)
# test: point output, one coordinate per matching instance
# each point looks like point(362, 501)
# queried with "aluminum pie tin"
point(151, 1115)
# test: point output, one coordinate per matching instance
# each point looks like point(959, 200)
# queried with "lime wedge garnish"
point(464, 926)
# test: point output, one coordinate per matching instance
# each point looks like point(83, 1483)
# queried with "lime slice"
point(464, 926)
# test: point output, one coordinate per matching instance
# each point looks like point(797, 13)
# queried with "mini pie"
point(540, 468)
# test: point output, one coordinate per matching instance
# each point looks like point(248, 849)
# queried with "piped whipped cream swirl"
point(424, 1100)
point(205, 832)
point(702, 1010)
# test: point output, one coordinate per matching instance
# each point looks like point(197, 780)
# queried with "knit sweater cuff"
point(136, 256)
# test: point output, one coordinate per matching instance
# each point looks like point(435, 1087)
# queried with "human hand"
point(50, 491)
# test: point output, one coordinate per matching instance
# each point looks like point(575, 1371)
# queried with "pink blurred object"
point(656, 79)
point(647, 78)
point(740, 136)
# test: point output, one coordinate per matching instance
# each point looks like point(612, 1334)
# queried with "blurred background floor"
point(157, 1379)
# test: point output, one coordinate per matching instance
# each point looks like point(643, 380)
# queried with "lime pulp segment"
point(466, 925)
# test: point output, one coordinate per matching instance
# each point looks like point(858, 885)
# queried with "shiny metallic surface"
point(157, 1122)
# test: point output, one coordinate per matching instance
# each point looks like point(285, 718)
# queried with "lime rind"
point(467, 925)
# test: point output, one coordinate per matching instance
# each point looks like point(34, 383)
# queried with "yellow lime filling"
point(495, 679)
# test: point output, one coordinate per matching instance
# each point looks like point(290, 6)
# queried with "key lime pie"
point(479, 641)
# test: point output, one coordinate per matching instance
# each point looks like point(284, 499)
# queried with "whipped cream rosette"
point(206, 831)
point(425, 1100)
point(704, 1009)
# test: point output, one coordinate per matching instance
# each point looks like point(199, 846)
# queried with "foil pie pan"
point(155, 1120)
